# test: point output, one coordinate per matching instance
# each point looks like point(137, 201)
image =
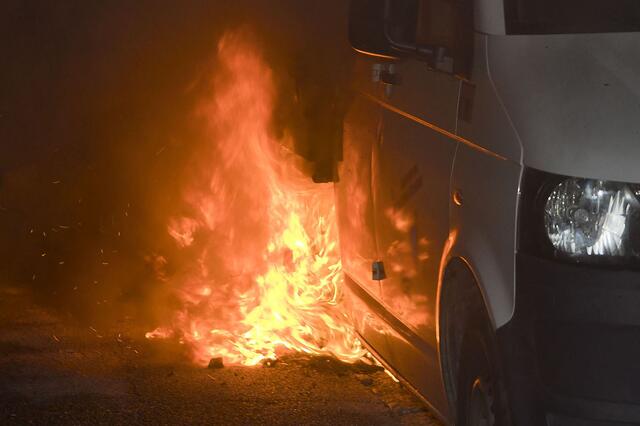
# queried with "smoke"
point(97, 132)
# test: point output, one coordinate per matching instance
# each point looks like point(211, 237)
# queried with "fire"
point(266, 273)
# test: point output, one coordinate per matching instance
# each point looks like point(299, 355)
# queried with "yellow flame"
point(266, 276)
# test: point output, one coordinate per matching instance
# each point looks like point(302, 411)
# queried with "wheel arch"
point(461, 300)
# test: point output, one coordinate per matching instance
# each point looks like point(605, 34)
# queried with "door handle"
point(377, 271)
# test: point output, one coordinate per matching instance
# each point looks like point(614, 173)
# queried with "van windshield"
point(571, 16)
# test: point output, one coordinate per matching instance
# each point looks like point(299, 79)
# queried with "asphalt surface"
point(55, 371)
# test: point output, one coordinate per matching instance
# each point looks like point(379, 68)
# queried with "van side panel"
point(485, 225)
point(413, 170)
point(353, 194)
point(487, 122)
point(486, 222)
point(355, 210)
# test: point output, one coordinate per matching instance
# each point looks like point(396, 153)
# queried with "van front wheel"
point(481, 399)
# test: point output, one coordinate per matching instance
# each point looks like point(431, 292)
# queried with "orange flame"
point(267, 274)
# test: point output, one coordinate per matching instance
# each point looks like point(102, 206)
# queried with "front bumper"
point(571, 352)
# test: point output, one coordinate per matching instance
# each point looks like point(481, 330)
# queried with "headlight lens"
point(587, 218)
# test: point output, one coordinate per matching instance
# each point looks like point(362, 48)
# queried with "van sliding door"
point(412, 169)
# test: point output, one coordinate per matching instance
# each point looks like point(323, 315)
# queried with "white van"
point(489, 205)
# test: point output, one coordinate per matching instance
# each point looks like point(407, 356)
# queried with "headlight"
point(585, 220)
point(591, 217)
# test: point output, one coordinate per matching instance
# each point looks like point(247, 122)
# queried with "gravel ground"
point(53, 371)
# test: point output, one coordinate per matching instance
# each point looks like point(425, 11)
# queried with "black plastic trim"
point(572, 346)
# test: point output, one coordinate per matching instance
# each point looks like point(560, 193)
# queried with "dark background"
point(97, 131)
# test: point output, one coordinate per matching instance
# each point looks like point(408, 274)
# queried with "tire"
point(481, 396)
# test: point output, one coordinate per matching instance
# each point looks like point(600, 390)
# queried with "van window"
point(571, 16)
point(424, 22)
point(402, 20)
point(441, 23)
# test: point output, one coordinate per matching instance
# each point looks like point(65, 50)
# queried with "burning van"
point(488, 203)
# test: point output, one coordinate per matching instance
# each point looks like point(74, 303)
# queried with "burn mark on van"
point(410, 175)
point(410, 184)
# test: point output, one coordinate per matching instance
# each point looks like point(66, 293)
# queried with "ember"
point(265, 277)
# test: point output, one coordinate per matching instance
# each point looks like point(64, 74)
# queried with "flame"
point(265, 276)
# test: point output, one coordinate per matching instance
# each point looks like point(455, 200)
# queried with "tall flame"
point(266, 274)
